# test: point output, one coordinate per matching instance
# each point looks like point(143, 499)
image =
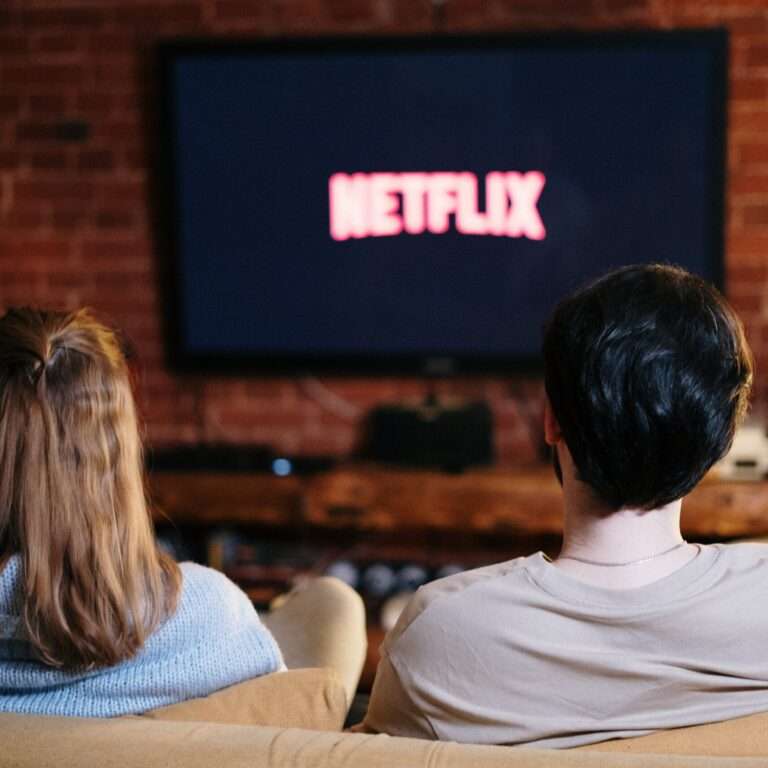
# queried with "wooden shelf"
point(497, 502)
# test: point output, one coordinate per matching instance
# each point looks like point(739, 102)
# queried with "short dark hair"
point(648, 374)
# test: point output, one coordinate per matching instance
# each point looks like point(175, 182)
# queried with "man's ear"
point(552, 433)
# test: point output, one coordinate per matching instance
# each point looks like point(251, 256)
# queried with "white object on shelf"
point(748, 457)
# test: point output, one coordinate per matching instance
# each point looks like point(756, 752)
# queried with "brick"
point(121, 42)
point(25, 218)
point(242, 11)
point(467, 13)
point(354, 389)
point(147, 347)
point(232, 389)
point(171, 434)
point(59, 43)
point(9, 103)
point(622, 6)
point(96, 160)
point(295, 13)
point(549, 8)
point(748, 185)
point(43, 74)
point(47, 103)
point(123, 283)
point(410, 16)
point(14, 43)
point(752, 326)
point(72, 130)
point(352, 11)
point(750, 89)
point(37, 254)
point(746, 304)
point(48, 160)
point(754, 122)
point(748, 24)
point(130, 103)
point(170, 403)
point(125, 193)
point(57, 16)
point(741, 245)
point(68, 218)
point(70, 280)
point(115, 219)
point(756, 216)
point(757, 56)
point(115, 131)
point(129, 255)
point(135, 159)
point(151, 15)
point(746, 275)
point(158, 380)
point(753, 153)
point(516, 453)
point(54, 189)
point(116, 302)
point(264, 417)
point(9, 159)
point(98, 101)
point(738, 6)
point(36, 132)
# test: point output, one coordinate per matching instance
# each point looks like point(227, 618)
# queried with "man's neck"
point(592, 531)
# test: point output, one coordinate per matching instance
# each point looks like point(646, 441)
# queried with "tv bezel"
point(183, 360)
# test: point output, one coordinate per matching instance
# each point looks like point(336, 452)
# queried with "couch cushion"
point(297, 698)
point(744, 736)
point(55, 742)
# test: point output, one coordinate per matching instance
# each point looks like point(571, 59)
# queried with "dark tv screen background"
point(627, 135)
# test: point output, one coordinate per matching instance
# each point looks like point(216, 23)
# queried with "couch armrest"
point(741, 737)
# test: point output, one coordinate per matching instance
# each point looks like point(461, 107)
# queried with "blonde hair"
point(72, 501)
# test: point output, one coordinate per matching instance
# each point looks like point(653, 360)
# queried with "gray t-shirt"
point(521, 653)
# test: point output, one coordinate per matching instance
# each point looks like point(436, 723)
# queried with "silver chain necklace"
point(629, 562)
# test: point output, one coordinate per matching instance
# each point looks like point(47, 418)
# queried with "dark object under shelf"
point(432, 435)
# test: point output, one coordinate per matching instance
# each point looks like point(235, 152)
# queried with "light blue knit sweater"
point(214, 639)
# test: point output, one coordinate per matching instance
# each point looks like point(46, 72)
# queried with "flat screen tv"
point(419, 205)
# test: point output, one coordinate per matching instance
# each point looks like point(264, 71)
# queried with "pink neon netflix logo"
point(386, 204)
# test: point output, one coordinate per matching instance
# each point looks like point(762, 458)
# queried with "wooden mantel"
point(372, 498)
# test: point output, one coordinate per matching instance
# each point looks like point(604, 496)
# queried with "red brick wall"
point(75, 220)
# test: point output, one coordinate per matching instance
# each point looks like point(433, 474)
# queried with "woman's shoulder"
point(213, 639)
point(207, 594)
point(195, 574)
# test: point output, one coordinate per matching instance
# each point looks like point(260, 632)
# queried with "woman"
point(94, 619)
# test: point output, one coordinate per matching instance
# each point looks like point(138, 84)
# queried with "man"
point(631, 629)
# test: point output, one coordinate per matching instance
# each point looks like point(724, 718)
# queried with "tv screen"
point(421, 204)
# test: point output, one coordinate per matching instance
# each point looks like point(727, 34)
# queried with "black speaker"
point(433, 435)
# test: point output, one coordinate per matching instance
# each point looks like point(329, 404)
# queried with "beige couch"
point(35, 742)
point(293, 720)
